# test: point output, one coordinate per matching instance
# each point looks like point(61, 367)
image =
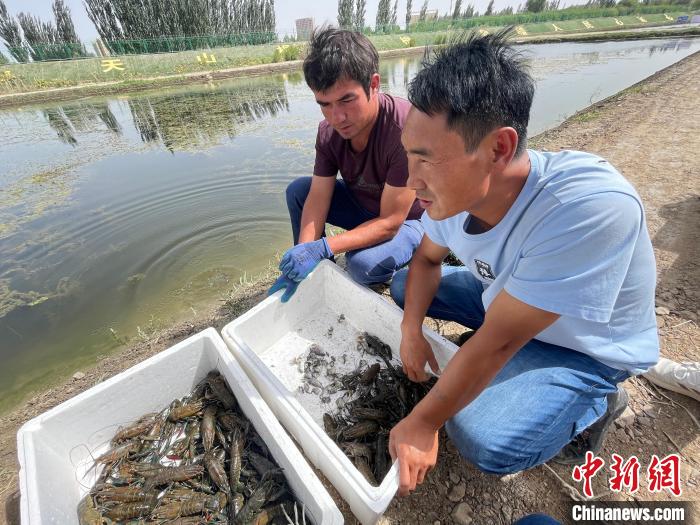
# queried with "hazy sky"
point(286, 11)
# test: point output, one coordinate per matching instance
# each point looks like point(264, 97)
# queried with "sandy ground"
point(651, 132)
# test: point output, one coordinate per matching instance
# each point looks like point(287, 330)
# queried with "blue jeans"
point(539, 401)
point(375, 264)
point(537, 519)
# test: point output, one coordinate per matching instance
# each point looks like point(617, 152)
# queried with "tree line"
point(147, 26)
point(29, 36)
point(170, 23)
point(138, 19)
point(351, 13)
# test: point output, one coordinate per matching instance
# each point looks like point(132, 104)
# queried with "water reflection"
point(200, 118)
point(69, 120)
point(397, 73)
point(672, 45)
point(191, 121)
point(294, 78)
point(590, 58)
point(185, 121)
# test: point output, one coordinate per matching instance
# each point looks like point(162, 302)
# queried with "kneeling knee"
point(481, 450)
point(358, 269)
point(298, 188)
point(398, 287)
point(365, 271)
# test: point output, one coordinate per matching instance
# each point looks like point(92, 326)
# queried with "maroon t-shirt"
point(383, 161)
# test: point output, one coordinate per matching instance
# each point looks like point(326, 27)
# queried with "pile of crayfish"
point(198, 461)
point(376, 398)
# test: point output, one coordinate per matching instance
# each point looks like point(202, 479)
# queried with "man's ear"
point(504, 145)
point(374, 83)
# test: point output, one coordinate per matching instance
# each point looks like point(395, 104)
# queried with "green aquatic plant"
point(151, 329)
point(11, 299)
point(135, 279)
point(31, 196)
point(119, 339)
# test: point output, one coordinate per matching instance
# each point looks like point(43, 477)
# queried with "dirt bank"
point(651, 132)
point(143, 84)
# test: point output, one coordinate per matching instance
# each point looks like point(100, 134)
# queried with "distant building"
point(430, 14)
point(304, 28)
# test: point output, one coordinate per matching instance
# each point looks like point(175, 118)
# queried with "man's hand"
point(299, 260)
point(284, 283)
point(415, 445)
point(415, 352)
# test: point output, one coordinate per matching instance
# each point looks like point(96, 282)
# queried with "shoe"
point(464, 337)
point(592, 438)
point(380, 288)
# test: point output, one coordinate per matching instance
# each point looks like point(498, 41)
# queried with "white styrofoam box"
point(268, 341)
point(56, 449)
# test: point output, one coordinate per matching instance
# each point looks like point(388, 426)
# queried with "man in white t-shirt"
point(558, 277)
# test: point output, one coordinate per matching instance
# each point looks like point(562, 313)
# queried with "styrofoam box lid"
point(56, 448)
point(276, 330)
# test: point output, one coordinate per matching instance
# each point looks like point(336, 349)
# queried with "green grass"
point(388, 42)
point(586, 116)
point(19, 78)
point(598, 24)
point(569, 13)
point(635, 89)
point(643, 88)
point(46, 75)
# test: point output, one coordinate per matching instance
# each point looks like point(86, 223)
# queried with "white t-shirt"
point(575, 243)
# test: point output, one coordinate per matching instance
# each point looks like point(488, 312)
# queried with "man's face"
point(346, 107)
point(448, 180)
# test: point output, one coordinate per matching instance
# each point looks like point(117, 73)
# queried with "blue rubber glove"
point(284, 283)
point(299, 260)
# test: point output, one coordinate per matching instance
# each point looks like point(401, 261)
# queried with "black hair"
point(336, 54)
point(480, 83)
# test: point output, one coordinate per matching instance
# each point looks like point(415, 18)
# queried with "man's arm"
point(423, 279)
point(395, 204)
point(316, 206)
point(508, 325)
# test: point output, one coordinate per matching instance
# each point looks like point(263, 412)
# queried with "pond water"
point(122, 215)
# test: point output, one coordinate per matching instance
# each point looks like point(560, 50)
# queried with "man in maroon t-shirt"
point(360, 138)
